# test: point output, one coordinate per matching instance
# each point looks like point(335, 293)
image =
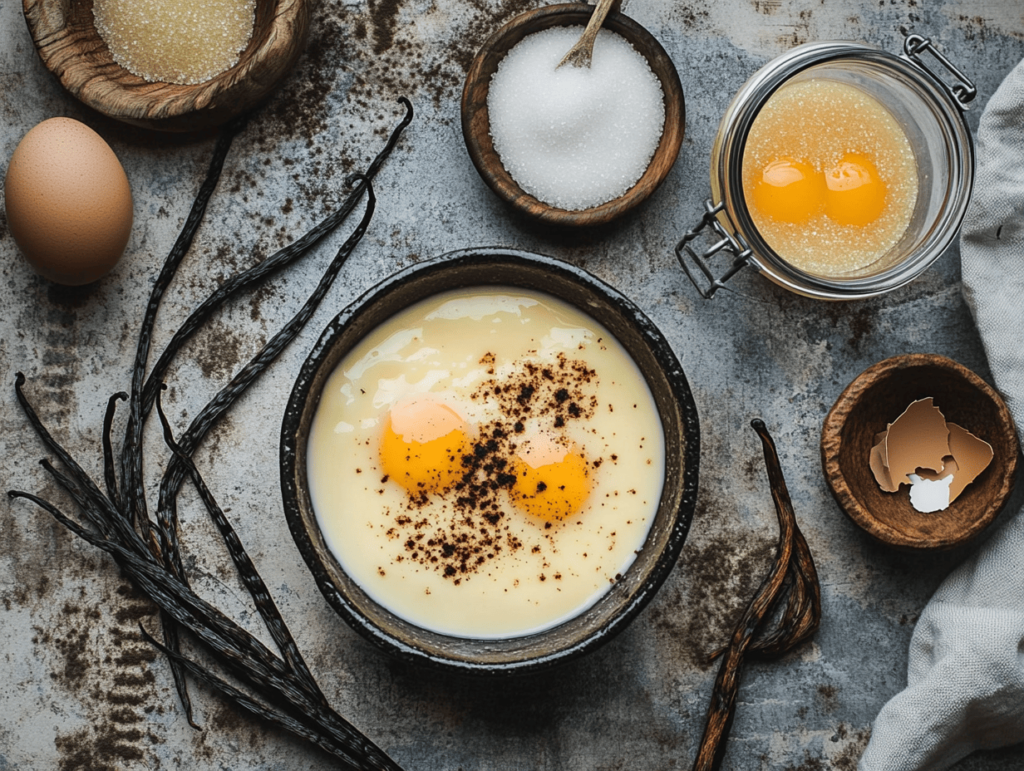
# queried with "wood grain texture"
point(876, 398)
point(69, 46)
point(476, 120)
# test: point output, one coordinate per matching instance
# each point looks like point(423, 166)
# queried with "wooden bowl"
point(876, 398)
point(476, 128)
point(71, 48)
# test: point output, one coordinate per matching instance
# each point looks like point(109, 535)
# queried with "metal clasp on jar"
point(732, 243)
point(962, 91)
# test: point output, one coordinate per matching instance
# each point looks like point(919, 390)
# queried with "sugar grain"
point(574, 137)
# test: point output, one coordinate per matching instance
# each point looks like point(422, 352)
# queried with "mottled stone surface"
point(80, 690)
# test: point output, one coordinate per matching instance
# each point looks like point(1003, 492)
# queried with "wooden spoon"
point(581, 54)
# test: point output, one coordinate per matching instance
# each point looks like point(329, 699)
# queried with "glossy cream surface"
point(472, 550)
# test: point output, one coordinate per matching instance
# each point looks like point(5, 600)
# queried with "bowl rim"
point(165, 106)
point(487, 162)
point(681, 515)
point(850, 503)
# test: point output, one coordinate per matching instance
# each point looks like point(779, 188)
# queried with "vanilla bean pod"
point(257, 588)
point(803, 607)
point(173, 475)
point(793, 577)
point(279, 260)
point(238, 650)
point(167, 520)
point(131, 452)
point(84, 482)
point(109, 468)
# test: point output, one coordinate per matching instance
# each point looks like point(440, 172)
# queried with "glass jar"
point(931, 113)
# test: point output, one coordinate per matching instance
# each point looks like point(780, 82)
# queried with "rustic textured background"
point(79, 690)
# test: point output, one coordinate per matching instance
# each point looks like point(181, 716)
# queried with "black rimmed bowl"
point(672, 397)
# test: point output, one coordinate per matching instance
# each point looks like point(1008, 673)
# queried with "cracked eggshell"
point(921, 449)
point(972, 457)
point(869, 403)
point(68, 202)
point(917, 439)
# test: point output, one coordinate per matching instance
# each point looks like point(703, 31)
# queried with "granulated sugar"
point(575, 137)
point(184, 41)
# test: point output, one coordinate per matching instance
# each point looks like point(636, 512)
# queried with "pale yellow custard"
point(486, 463)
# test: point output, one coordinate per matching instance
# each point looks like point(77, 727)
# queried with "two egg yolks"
point(422, 447)
point(851, 192)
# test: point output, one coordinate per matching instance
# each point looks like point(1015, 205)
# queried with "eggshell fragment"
point(930, 495)
point(916, 439)
point(68, 202)
point(972, 454)
point(879, 465)
point(937, 459)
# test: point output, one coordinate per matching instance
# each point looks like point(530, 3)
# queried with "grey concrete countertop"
point(78, 687)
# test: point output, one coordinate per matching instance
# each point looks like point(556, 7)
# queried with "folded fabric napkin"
point(965, 678)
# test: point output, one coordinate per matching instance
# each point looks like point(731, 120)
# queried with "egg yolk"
point(423, 445)
point(552, 478)
point(856, 192)
point(789, 190)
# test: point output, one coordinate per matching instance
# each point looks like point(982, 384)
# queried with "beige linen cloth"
point(965, 678)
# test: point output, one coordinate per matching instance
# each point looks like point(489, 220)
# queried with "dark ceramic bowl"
point(876, 398)
point(654, 357)
point(476, 125)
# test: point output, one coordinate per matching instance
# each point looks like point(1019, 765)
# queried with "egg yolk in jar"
point(552, 478)
point(829, 178)
point(422, 446)
point(789, 190)
point(856, 193)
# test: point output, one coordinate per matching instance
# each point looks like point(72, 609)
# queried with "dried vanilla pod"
point(276, 686)
point(761, 631)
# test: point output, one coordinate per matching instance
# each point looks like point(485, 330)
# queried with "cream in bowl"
point(489, 462)
point(486, 462)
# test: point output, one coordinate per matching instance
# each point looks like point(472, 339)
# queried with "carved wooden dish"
point(70, 47)
point(875, 399)
point(476, 122)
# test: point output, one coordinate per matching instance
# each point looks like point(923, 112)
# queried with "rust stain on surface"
point(98, 656)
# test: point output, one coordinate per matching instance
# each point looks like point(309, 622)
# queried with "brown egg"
point(68, 203)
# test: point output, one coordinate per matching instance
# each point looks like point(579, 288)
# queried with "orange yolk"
point(423, 445)
point(856, 193)
point(789, 191)
point(552, 479)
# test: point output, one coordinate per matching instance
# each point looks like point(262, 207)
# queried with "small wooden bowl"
point(876, 398)
point(476, 127)
point(71, 48)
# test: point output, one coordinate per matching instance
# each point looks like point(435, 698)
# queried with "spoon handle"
point(582, 52)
